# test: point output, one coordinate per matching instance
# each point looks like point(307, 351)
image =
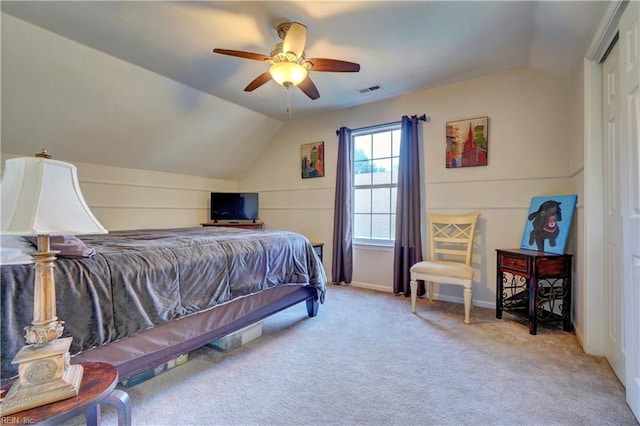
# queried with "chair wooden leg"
point(429, 288)
point(414, 295)
point(467, 304)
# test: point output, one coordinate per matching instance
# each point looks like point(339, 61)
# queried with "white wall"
point(529, 155)
point(577, 174)
point(123, 198)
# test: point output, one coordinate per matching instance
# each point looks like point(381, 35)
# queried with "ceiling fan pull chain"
point(289, 103)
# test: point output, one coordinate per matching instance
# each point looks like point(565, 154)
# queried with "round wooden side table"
point(98, 386)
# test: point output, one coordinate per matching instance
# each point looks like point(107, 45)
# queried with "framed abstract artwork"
point(312, 160)
point(467, 142)
point(548, 223)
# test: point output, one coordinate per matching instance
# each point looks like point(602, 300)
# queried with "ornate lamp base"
point(45, 376)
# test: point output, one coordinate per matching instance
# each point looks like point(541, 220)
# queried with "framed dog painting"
point(548, 223)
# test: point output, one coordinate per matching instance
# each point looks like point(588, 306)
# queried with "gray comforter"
point(139, 279)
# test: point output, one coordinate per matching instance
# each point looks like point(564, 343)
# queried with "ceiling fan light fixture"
point(288, 74)
point(288, 63)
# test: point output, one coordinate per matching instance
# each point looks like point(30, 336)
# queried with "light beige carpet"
point(366, 360)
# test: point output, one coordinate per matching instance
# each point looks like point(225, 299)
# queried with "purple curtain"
point(408, 244)
point(342, 265)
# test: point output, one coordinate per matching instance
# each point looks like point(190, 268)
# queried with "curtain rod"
point(423, 117)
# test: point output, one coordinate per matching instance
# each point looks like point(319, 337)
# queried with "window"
point(376, 154)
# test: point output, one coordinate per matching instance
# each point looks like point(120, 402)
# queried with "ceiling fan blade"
point(309, 89)
point(243, 54)
point(333, 65)
point(295, 39)
point(258, 81)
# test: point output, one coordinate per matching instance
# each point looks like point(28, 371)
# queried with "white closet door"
point(613, 239)
point(629, 67)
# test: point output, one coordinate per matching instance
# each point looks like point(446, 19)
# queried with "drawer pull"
point(514, 263)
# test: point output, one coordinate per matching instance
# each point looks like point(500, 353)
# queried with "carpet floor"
point(366, 360)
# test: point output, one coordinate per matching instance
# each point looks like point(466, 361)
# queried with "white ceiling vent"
point(370, 89)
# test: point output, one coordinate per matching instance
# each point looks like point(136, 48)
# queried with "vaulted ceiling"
point(402, 47)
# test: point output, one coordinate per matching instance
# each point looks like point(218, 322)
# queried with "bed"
point(137, 299)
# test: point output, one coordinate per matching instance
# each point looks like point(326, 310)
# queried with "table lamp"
point(41, 197)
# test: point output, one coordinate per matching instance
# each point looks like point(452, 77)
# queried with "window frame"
point(382, 128)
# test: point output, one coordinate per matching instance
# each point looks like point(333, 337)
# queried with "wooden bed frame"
point(162, 343)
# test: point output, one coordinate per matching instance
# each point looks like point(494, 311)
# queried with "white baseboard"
point(376, 287)
point(436, 296)
point(460, 300)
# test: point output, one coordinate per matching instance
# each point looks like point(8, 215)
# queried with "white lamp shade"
point(42, 197)
point(288, 73)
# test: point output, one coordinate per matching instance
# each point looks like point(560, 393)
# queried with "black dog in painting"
point(545, 224)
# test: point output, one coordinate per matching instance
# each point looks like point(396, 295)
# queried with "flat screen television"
point(234, 206)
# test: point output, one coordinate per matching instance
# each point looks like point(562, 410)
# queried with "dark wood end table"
point(535, 286)
point(98, 386)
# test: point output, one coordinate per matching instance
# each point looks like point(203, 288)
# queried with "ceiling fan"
point(289, 66)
